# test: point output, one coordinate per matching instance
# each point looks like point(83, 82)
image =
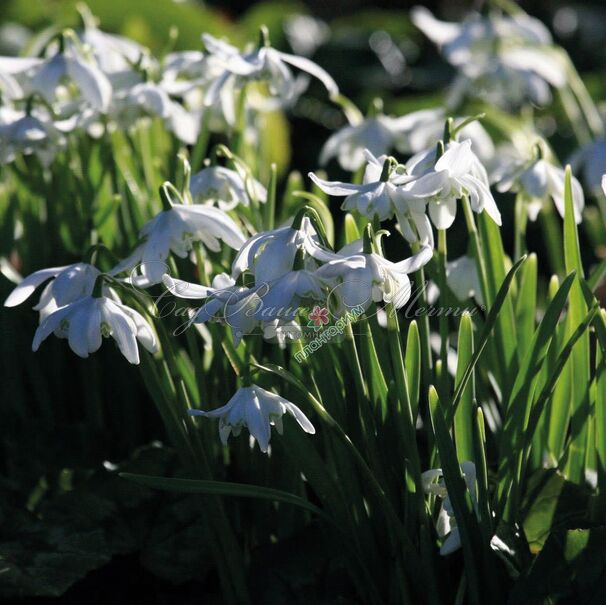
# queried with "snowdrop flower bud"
point(227, 187)
point(433, 483)
point(257, 410)
point(174, 230)
point(261, 64)
point(87, 320)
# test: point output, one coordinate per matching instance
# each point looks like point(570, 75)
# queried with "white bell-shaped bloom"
point(26, 133)
point(411, 133)
point(257, 410)
point(462, 279)
point(261, 64)
point(175, 230)
point(361, 279)
point(115, 55)
point(228, 188)
point(377, 194)
point(282, 331)
point(68, 284)
point(271, 254)
point(506, 59)
point(446, 526)
point(537, 179)
point(458, 171)
point(73, 65)
point(282, 297)
point(87, 320)
point(150, 99)
point(226, 302)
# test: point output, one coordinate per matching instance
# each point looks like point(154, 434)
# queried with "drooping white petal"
point(311, 68)
point(123, 329)
point(27, 287)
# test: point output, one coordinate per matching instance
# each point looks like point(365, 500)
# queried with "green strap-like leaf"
point(222, 488)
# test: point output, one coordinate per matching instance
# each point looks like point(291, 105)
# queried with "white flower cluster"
point(506, 59)
point(91, 81)
point(94, 81)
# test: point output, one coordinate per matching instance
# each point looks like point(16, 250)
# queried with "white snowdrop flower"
point(68, 284)
point(446, 525)
point(186, 70)
point(378, 192)
point(32, 133)
point(14, 72)
point(361, 279)
point(271, 254)
point(228, 188)
point(462, 279)
point(257, 410)
point(281, 298)
point(457, 172)
point(175, 230)
point(383, 194)
point(226, 302)
point(281, 331)
point(72, 64)
point(149, 99)
point(503, 58)
point(590, 160)
point(537, 179)
point(87, 320)
point(261, 64)
point(115, 55)
point(409, 134)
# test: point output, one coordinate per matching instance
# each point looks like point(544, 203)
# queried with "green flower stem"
point(444, 302)
point(476, 249)
point(553, 239)
point(201, 147)
point(269, 212)
point(423, 323)
point(520, 222)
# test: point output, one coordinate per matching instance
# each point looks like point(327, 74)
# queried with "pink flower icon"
point(318, 317)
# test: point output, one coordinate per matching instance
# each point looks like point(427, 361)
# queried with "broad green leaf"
point(412, 362)
point(579, 365)
point(465, 417)
point(526, 303)
point(552, 503)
